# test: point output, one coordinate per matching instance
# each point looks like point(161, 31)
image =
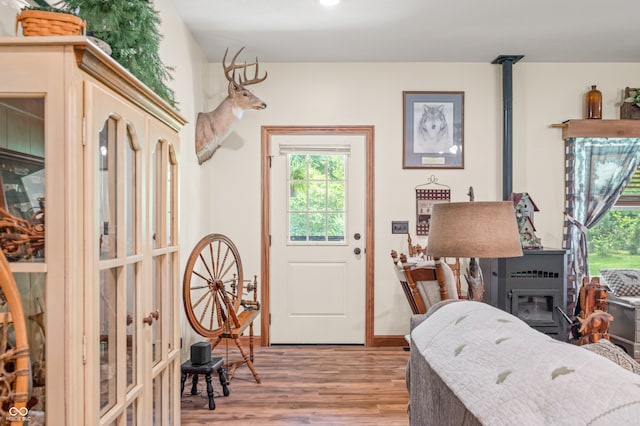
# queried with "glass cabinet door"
point(132, 303)
point(22, 179)
point(94, 260)
point(116, 300)
point(165, 282)
point(120, 263)
point(22, 240)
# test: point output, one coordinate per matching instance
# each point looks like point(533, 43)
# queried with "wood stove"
point(532, 287)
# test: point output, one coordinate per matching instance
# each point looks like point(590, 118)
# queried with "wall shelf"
point(599, 128)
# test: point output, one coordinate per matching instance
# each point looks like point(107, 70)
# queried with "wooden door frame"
point(267, 132)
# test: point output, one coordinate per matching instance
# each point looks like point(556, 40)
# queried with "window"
point(614, 242)
point(317, 197)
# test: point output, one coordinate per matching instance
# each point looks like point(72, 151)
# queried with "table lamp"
point(474, 229)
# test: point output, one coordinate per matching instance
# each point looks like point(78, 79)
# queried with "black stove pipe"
point(507, 62)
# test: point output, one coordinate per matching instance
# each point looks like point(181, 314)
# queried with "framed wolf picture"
point(433, 130)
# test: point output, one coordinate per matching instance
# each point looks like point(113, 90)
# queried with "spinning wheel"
point(14, 361)
point(212, 277)
point(212, 293)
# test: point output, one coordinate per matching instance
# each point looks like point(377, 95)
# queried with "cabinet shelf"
point(28, 267)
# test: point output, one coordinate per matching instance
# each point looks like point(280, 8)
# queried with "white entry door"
point(317, 262)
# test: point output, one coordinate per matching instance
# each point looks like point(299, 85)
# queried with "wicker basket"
point(43, 23)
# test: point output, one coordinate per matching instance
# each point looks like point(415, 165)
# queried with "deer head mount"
point(212, 128)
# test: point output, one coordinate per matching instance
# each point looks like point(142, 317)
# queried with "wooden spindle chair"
point(412, 277)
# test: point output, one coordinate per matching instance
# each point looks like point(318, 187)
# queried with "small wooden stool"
point(216, 363)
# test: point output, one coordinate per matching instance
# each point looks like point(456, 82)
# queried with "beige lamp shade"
point(483, 229)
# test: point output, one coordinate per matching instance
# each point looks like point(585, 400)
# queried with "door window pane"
point(336, 167)
point(317, 195)
point(297, 226)
point(317, 227)
point(168, 316)
point(156, 169)
point(108, 341)
point(157, 280)
point(335, 226)
point(317, 166)
point(298, 195)
point(157, 399)
point(32, 289)
point(131, 415)
point(169, 208)
point(317, 191)
point(22, 198)
point(22, 125)
point(107, 187)
point(335, 194)
point(130, 189)
point(131, 326)
point(173, 409)
point(297, 167)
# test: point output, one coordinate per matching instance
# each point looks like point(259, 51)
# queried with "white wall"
point(179, 50)
point(371, 94)
point(223, 195)
point(7, 20)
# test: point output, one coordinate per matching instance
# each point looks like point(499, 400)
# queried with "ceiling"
point(416, 30)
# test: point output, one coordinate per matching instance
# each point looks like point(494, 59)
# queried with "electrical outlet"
point(400, 227)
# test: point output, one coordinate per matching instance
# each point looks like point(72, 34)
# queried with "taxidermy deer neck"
point(212, 128)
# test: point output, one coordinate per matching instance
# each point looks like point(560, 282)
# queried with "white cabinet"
point(82, 136)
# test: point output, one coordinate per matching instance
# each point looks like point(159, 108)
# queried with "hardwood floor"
point(316, 385)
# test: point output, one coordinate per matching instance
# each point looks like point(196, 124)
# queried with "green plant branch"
point(634, 97)
point(130, 28)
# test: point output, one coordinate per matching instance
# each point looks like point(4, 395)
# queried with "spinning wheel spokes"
point(213, 273)
point(212, 292)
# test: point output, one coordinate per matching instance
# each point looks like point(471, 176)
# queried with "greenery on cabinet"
point(130, 27)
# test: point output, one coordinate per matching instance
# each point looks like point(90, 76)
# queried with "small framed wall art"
point(433, 130)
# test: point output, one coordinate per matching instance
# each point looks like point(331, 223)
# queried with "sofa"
point(473, 364)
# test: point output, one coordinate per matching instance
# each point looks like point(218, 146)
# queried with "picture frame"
point(433, 130)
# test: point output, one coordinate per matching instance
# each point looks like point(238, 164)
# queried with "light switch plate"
point(400, 227)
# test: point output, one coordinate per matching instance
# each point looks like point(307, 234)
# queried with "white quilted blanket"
point(507, 373)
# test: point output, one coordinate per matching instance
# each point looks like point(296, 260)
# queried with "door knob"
point(356, 236)
point(357, 250)
point(149, 318)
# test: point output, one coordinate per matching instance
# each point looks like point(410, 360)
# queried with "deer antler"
point(230, 71)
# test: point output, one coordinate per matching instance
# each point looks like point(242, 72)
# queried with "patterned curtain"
point(597, 171)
